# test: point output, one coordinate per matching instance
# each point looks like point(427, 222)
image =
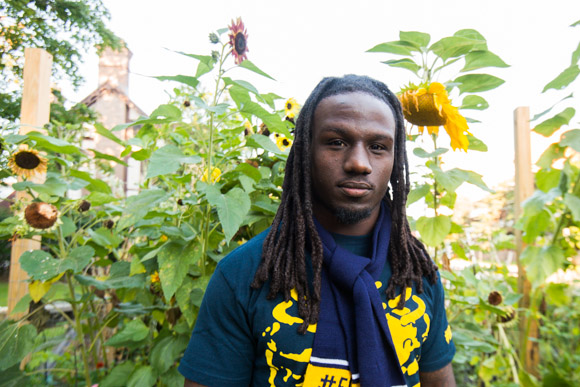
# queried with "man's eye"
point(378, 147)
point(337, 143)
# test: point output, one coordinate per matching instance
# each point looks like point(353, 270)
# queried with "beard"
point(350, 216)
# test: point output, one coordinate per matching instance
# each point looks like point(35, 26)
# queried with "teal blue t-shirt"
point(243, 339)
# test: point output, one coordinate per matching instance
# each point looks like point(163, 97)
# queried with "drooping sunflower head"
point(27, 162)
point(429, 106)
point(238, 40)
point(41, 215)
point(291, 108)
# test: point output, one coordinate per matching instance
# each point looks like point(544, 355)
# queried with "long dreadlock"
point(293, 231)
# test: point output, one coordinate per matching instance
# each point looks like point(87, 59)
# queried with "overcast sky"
point(299, 42)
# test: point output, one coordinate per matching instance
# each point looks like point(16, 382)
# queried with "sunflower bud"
point(109, 224)
point(84, 206)
point(494, 298)
point(215, 55)
point(180, 202)
point(213, 38)
point(264, 130)
point(40, 215)
point(187, 104)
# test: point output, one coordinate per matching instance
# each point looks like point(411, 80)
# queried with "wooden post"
point(524, 187)
point(34, 113)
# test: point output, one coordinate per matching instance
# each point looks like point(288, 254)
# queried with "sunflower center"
point(27, 160)
point(240, 43)
point(289, 106)
point(285, 142)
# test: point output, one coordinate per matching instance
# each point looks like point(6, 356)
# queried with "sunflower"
point(155, 277)
point(430, 106)
point(215, 175)
point(27, 162)
point(291, 108)
point(282, 142)
point(41, 215)
point(238, 40)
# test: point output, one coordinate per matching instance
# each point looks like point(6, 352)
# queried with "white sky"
point(299, 42)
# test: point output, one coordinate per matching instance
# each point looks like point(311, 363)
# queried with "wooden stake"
point(524, 187)
point(35, 112)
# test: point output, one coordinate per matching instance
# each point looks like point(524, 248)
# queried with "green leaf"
point(40, 265)
point(476, 180)
point(563, 79)
point(105, 237)
point(165, 353)
point(539, 115)
point(172, 378)
point(232, 208)
point(453, 46)
point(548, 178)
point(476, 144)
point(108, 134)
point(433, 230)
point(16, 341)
point(136, 267)
point(135, 331)
point(479, 59)
point(541, 262)
point(249, 171)
point(52, 186)
point(474, 102)
point(142, 377)
point(470, 33)
point(420, 152)
point(167, 111)
point(183, 298)
point(553, 152)
point(417, 39)
point(94, 184)
point(244, 84)
point(418, 193)
point(185, 79)
point(174, 260)
point(167, 160)
point(535, 225)
point(205, 63)
point(80, 257)
point(119, 375)
point(259, 141)
point(252, 67)
point(53, 144)
point(137, 206)
point(548, 127)
point(99, 198)
point(572, 139)
point(573, 203)
point(476, 83)
point(104, 156)
point(122, 282)
point(404, 63)
point(395, 47)
point(273, 121)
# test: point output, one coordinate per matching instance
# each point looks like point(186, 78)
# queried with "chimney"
point(114, 68)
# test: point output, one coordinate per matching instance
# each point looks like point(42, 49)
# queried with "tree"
point(65, 28)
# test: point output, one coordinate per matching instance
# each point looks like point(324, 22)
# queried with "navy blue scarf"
point(352, 341)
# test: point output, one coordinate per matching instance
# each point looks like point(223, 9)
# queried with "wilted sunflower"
point(238, 40)
point(282, 142)
point(430, 106)
point(41, 215)
point(27, 162)
point(291, 108)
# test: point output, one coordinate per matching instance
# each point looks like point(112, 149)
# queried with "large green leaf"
point(573, 203)
point(548, 178)
point(16, 341)
point(165, 353)
point(395, 47)
point(174, 260)
point(232, 208)
point(476, 144)
point(259, 141)
point(183, 298)
point(40, 265)
point(132, 282)
point(418, 193)
point(53, 144)
point(105, 237)
point(272, 121)
point(420, 152)
point(94, 184)
point(535, 225)
point(563, 79)
point(417, 39)
point(172, 378)
point(104, 156)
point(252, 67)
point(135, 331)
point(405, 63)
point(553, 152)
point(52, 186)
point(539, 115)
point(476, 83)
point(470, 33)
point(453, 46)
point(548, 127)
point(474, 102)
point(572, 139)
point(167, 111)
point(541, 262)
point(80, 257)
point(479, 59)
point(433, 230)
point(185, 79)
point(241, 83)
point(119, 375)
point(142, 377)
point(137, 206)
point(108, 134)
point(167, 160)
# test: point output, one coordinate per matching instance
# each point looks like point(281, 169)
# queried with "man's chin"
point(352, 216)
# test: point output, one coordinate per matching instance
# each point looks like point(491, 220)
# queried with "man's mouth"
point(355, 189)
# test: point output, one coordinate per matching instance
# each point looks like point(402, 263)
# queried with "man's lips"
point(355, 189)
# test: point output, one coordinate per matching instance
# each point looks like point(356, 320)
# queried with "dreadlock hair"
point(293, 231)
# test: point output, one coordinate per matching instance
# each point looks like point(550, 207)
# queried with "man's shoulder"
point(246, 257)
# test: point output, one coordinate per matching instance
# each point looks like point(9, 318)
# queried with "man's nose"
point(358, 161)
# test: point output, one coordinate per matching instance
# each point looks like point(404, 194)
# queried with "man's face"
point(353, 142)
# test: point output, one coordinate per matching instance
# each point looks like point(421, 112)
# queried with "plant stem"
point(79, 329)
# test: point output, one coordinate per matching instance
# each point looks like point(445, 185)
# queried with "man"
point(337, 292)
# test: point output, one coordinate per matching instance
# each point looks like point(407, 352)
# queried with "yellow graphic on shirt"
point(448, 334)
point(284, 321)
point(404, 324)
point(327, 377)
